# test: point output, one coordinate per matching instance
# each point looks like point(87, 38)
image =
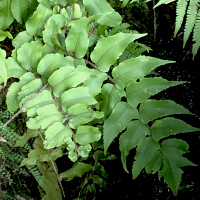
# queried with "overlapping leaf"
point(111, 96)
point(96, 7)
point(39, 101)
point(35, 156)
point(80, 114)
point(173, 150)
point(53, 29)
point(153, 109)
point(29, 55)
point(24, 139)
point(3, 66)
point(77, 40)
point(137, 92)
point(95, 81)
point(78, 169)
point(15, 70)
point(108, 50)
point(30, 88)
point(47, 115)
point(77, 95)
point(11, 98)
point(170, 126)
point(22, 8)
point(49, 182)
point(6, 17)
point(136, 131)
point(135, 68)
point(52, 62)
point(4, 35)
point(87, 134)
point(55, 135)
point(119, 119)
point(35, 24)
point(67, 77)
point(60, 2)
point(145, 151)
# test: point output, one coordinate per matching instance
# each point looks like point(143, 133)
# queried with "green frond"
point(180, 13)
point(196, 35)
point(190, 20)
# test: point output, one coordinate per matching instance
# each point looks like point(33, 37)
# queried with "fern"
point(196, 35)
point(180, 13)
point(190, 20)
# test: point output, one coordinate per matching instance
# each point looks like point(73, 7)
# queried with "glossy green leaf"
point(77, 40)
point(145, 151)
point(153, 109)
point(32, 87)
point(47, 115)
point(41, 100)
point(170, 126)
point(78, 170)
point(111, 96)
point(6, 17)
point(35, 24)
point(22, 38)
point(53, 28)
point(52, 62)
point(137, 92)
point(119, 119)
point(84, 150)
point(135, 68)
point(87, 134)
point(96, 7)
point(29, 55)
point(35, 156)
point(60, 2)
point(55, 135)
point(24, 139)
point(173, 150)
point(4, 35)
point(70, 144)
point(11, 98)
point(136, 131)
point(46, 49)
point(3, 67)
point(108, 50)
point(68, 77)
point(15, 70)
point(95, 81)
point(80, 115)
point(77, 95)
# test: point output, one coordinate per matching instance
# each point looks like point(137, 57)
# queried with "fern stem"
point(154, 21)
point(63, 192)
point(21, 109)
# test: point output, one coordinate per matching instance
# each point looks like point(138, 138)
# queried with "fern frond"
point(196, 35)
point(180, 13)
point(190, 20)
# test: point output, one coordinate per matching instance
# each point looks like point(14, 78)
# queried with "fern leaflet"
point(190, 20)
point(180, 13)
point(196, 35)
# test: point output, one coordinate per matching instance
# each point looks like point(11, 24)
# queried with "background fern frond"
point(196, 35)
point(190, 20)
point(180, 13)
